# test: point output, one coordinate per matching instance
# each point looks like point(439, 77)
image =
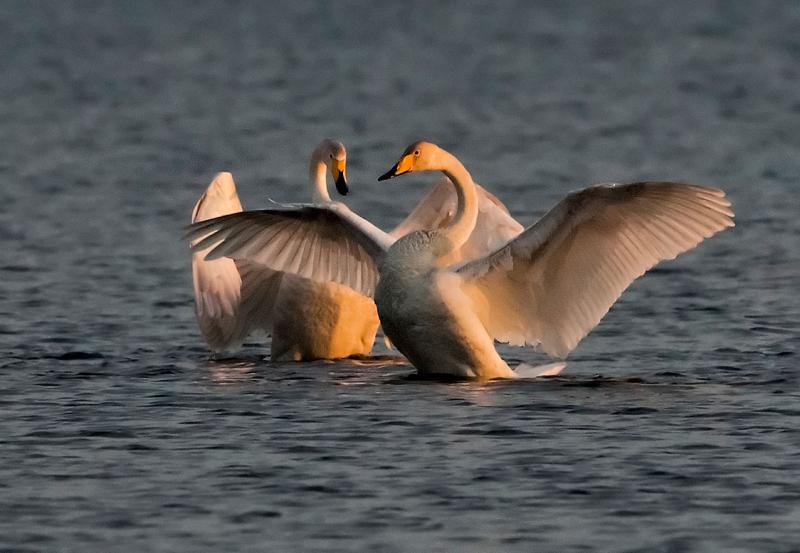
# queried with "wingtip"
point(223, 195)
point(223, 183)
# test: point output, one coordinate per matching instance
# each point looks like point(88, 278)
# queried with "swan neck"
point(318, 179)
point(466, 216)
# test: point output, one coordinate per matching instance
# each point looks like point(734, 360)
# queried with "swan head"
point(420, 156)
point(334, 155)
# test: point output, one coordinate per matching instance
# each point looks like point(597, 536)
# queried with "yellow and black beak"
point(339, 176)
point(400, 168)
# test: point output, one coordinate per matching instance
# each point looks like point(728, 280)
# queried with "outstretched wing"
point(323, 243)
point(553, 283)
point(494, 227)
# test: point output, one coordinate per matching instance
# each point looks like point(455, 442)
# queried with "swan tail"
point(524, 370)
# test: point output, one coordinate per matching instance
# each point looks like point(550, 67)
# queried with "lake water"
point(676, 426)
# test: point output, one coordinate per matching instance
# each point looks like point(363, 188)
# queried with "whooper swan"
point(307, 319)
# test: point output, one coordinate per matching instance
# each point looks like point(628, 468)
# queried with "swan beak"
point(339, 177)
point(401, 167)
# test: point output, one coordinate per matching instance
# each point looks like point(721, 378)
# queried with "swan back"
point(415, 252)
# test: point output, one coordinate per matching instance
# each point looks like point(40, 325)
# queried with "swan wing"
point(220, 198)
point(319, 242)
point(494, 227)
point(433, 211)
point(217, 284)
point(554, 282)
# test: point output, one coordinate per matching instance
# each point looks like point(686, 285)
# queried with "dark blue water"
point(677, 424)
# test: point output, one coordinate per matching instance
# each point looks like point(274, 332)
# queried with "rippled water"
point(676, 425)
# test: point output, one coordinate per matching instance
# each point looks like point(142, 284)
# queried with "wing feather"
point(323, 243)
point(553, 283)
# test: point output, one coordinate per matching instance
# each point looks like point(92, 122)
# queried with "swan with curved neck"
point(548, 286)
point(420, 305)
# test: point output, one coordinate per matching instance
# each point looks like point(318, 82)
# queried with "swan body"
point(428, 318)
point(321, 321)
point(547, 287)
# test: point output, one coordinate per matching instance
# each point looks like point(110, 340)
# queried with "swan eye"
point(416, 153)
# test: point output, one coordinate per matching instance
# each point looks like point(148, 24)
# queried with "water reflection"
point(227, 372)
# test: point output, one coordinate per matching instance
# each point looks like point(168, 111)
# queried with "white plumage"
point(554, 283)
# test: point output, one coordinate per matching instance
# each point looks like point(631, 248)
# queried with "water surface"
point(675, 427)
